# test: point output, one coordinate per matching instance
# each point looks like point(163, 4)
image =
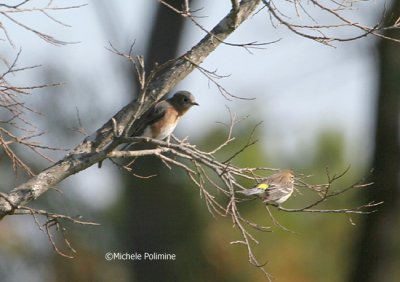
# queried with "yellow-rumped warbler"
point(276, 188)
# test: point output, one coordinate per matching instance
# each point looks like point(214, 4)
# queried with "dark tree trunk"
point(376, 251)
point(161, 212)
point(165, 35)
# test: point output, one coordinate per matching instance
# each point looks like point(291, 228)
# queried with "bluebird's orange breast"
point(163, 127)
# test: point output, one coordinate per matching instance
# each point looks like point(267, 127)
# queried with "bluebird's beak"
point(195, 103)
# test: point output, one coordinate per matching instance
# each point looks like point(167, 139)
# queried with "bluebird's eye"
point(185, 100)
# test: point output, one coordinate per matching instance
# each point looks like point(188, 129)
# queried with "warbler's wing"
point(278, 193)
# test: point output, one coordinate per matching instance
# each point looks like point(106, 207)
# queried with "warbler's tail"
point(252, 191)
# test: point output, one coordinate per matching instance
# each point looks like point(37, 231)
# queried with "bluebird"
point(276, 188)
point(162, 119)
point(165, 115)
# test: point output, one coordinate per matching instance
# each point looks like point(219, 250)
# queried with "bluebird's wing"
point(154, 115)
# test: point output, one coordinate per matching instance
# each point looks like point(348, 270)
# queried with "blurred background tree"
point(164, 213)
point(376, 250)
point(159, 214)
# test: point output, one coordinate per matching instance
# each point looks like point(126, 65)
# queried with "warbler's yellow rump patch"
point(262, 186)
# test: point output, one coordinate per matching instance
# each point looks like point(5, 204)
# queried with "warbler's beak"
point(195, 104)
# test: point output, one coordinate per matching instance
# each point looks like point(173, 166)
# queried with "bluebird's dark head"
point(183, 101)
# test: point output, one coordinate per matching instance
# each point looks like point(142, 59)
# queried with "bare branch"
point(53, 221)
point(14, 6)
point(316, 32)
point(44, 10)
point(218, 181)
point(97, 146)
point(17, 128)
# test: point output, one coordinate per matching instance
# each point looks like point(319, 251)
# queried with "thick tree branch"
point(96, 147)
